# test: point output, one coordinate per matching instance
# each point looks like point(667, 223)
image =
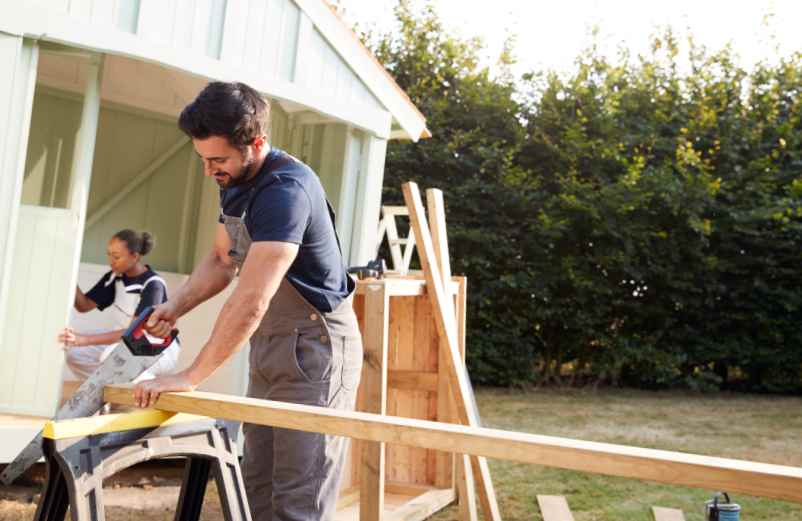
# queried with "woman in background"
point(124, 292)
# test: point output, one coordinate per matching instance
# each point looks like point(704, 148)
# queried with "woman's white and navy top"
point(149, 286)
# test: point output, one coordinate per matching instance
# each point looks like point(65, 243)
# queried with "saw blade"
point(121, 366)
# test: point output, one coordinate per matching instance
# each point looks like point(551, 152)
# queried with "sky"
point(550, 34)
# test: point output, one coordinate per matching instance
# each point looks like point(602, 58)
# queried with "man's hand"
point(147, 392)
point(162, 321)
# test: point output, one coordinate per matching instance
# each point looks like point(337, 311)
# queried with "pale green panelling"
point(289, 34)
point(128, 15)
point(217, 16)
point(51, 142)
point(127, 143)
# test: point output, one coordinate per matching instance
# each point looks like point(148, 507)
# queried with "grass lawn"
point(757, 428)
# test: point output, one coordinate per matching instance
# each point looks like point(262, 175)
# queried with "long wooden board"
point(445, 320)
point(711, 473)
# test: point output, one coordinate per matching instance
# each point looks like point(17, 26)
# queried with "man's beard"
point(226, 180)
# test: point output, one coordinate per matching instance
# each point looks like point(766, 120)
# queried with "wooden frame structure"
point(401, 376)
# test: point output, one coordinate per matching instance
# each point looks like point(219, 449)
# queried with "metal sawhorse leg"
point(81, 453)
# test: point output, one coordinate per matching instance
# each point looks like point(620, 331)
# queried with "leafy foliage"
point(637, 222)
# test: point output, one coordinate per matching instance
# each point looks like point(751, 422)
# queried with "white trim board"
point(367, 68)
point(41, 24)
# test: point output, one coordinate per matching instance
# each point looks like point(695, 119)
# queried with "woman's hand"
point(147, 392)
point(70, 338)
point(162, 321)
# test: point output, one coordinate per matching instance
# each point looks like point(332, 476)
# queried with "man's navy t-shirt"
point(285, 202)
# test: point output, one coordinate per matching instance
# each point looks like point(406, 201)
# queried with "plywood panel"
point(411, 350)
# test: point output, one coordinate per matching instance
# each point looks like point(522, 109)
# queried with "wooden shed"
point(90, 91)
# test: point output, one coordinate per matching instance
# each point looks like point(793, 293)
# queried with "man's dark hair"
point(231, 110)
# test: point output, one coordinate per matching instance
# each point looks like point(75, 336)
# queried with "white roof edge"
point(367, 68)
point(40, 24)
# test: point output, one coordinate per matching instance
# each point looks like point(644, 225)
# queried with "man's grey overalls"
point(298, 355)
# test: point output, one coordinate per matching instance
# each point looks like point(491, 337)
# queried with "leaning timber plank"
point(675, 468)
point(444, 469)
point(460, 465)
point(423, 506)
point(667, 514)
point(554, 508)
point(445, 320)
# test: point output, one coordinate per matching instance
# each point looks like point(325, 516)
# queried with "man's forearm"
point(208, 279)
point(237, 321)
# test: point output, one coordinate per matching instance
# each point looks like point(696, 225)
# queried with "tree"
point(636, 222)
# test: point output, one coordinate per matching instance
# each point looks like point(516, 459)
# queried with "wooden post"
point(374, 387)
point(443, 310)
point(444, 475)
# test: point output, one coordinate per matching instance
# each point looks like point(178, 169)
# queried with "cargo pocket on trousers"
point(351, 362)
point(313, 358)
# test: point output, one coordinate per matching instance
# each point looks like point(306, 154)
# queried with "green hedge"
point(636, 222)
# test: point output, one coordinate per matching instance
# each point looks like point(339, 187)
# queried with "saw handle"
point(137, 340)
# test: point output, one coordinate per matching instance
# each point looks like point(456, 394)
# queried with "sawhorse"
point(81, 453)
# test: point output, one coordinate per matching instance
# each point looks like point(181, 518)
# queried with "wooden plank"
point(675, 468)
point(554, 508)
point(412, 381)
point(466, 485)
point(376, 339)
point(406, 489)
point(447, 329)
point(404, 286)
point(444, 472)
point(667, 514)
point(422, 506)
point(466, 489)
point(437, 227)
